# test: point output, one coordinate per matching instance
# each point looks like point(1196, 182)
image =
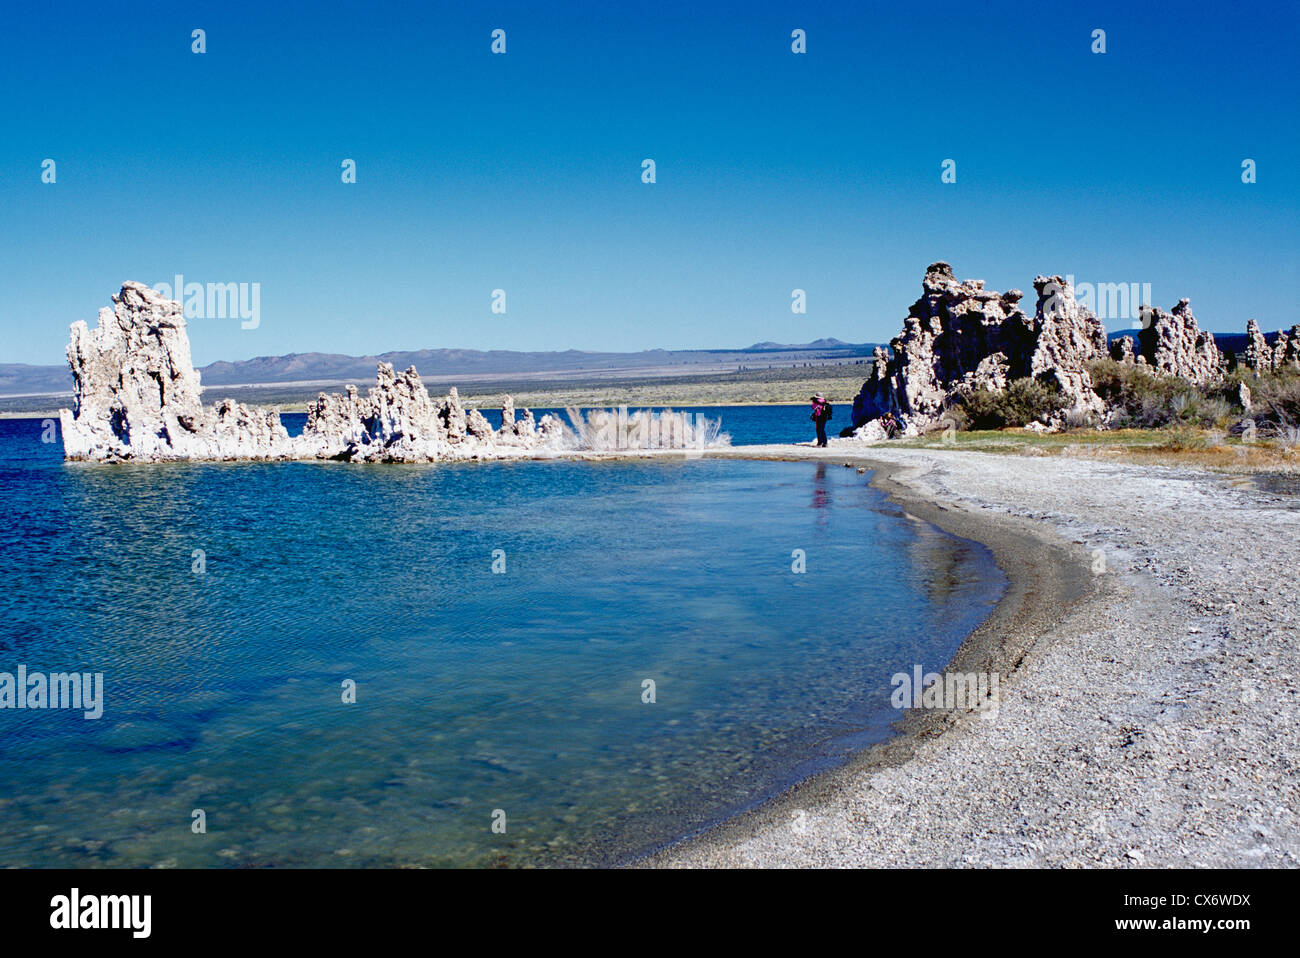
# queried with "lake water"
point(480, 696)
point(747, 425)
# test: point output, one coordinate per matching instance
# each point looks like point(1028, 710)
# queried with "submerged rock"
point(138, 397)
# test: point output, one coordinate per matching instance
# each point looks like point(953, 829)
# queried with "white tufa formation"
point(138, 398)
point(1260, 357)
point(959, 337)
point(1173, 344)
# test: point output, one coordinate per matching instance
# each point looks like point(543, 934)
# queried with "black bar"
point(963, 909)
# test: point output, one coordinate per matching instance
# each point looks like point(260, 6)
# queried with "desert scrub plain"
point(745, 387)
point(749, 388)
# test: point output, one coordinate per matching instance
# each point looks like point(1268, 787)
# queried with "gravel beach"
point(1148, 706)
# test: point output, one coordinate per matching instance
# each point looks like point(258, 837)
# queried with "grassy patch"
point(1176, 445)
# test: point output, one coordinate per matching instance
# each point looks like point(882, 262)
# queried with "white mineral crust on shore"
point(137, 397)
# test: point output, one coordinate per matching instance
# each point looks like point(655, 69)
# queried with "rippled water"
point(477, 693)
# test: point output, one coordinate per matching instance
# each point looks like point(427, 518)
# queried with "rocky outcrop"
point(1067, 336)
point(521, 431)
point(1173, 344)
point(399, 422)
point(1286, 351)
point(1258, 354)
point(138, 397)
point(1122, 350)
point(960, 337)
point(1261, 358)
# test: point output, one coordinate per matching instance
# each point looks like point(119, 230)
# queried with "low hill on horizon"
point(21, 379)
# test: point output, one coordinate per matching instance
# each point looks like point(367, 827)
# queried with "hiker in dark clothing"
point(821, 411)
point(890, 425)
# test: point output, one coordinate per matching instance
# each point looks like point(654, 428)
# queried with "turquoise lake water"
point(479, 694)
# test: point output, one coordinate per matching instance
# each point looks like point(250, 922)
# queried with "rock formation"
point(1258, 355)
point(138, 397)
point(1173, 344)
point(1283, 355)
point(960, 337)
point(1067, 337)
point(1286, 351)
point(1122, 351)
point(519, 431)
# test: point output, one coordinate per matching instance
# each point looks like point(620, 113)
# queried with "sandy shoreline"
point(1148, 713)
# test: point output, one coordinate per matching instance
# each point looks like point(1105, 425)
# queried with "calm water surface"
point(477, 693)
point(746, 425)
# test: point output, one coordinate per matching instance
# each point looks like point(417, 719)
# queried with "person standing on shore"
point(821, 411)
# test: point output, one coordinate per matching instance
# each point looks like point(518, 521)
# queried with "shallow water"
point(477, 693)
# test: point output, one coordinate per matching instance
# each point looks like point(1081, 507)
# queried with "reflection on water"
point(821, 499)
point(476, 691)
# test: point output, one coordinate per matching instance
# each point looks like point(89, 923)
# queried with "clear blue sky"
point(522, 171)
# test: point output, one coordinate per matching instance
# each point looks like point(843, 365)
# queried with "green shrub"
point(954, 413)
point(1275, 397)
point(1185, 439)
point(1022, 402)
point(1077, 419)
point(1141, 398)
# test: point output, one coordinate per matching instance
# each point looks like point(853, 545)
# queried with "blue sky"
point(522, 172)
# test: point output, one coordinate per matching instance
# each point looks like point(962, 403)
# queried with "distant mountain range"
point(19, 379)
